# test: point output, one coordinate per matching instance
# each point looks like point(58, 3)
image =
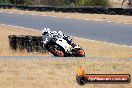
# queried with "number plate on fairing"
point(64, 44)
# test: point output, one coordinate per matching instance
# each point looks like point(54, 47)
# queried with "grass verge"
point(58, 73)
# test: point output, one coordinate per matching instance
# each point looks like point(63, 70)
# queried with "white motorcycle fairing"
point(64, 44)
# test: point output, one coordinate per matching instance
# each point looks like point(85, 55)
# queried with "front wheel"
point(79, 52)
point(56, 50)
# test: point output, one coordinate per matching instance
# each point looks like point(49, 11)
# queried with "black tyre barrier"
point(6, 6)
point(27, 42)
point(114, 11)
point(12, 42)
point(79, 9)
point(127, 11)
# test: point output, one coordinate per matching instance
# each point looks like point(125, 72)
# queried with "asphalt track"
point(52, 57)
point(95, 30)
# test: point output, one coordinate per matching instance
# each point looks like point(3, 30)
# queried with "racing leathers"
point(47, 36)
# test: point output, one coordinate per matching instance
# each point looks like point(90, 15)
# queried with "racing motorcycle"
point(60, 47)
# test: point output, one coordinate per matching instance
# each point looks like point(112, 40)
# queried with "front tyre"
point(78, 52)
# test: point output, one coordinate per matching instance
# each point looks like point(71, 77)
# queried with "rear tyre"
point(56, 50)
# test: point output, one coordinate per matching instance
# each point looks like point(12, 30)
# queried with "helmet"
point(53, 32)
point(45, 31)
point(60, 33)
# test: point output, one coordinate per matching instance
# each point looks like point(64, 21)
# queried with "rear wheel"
point(56, 50)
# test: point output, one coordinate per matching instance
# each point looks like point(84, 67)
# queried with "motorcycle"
point(60, 47)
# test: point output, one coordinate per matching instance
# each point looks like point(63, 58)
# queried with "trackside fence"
point(71, 9)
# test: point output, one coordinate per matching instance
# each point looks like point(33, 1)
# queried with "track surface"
point(102, 31)
point(52, 57)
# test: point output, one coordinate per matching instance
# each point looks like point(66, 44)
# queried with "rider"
point(47, 35)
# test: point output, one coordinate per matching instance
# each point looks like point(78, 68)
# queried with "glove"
point(69, 38)
point(45, 41)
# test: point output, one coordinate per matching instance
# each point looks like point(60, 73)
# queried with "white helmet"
point(53, 32)
point(45, 31)
point(60, 33)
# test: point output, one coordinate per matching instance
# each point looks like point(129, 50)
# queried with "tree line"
point(59, 2)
